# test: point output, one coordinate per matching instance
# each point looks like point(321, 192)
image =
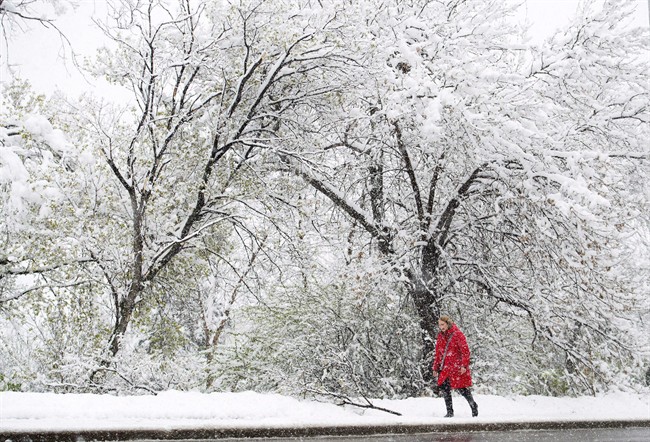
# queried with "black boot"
point(470, 400)
point(445, 389)
point(474, 406)
point(449, 405)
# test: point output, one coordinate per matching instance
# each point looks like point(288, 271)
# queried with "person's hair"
point(446, 319)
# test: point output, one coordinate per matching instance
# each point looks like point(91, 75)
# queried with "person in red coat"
point(451, 364)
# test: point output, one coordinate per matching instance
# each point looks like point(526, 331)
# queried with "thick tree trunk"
point(122, 323)
point(127, 305)
point(428, 312)
point(425, 295)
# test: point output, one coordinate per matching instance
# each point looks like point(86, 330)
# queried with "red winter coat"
point(457, 357)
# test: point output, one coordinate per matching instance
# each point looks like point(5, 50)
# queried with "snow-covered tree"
point(298, 188)
point(492, 174)
point(210, 83)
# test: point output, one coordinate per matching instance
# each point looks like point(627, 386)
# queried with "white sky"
point(38, 54)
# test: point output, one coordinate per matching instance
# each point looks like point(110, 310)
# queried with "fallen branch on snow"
point(344, 400)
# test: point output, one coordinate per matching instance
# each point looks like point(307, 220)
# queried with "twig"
point(121, 376)
point(347, 401)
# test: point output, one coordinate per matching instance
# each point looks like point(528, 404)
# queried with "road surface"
point(571, 431)
point(572, 435)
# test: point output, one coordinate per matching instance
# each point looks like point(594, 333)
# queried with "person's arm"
point(463, 349)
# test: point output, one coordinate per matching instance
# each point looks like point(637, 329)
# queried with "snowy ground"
point(180, 410)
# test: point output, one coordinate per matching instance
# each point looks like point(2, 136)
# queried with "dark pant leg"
point(445, 388)
point(467, 394)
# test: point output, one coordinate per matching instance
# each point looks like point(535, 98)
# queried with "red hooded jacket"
point(457, 357)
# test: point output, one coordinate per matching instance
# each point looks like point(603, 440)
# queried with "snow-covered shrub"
point(353, 335)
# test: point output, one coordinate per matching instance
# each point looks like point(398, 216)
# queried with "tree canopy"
point(297, 190)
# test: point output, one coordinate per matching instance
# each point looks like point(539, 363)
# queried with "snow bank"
point(178, 410)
